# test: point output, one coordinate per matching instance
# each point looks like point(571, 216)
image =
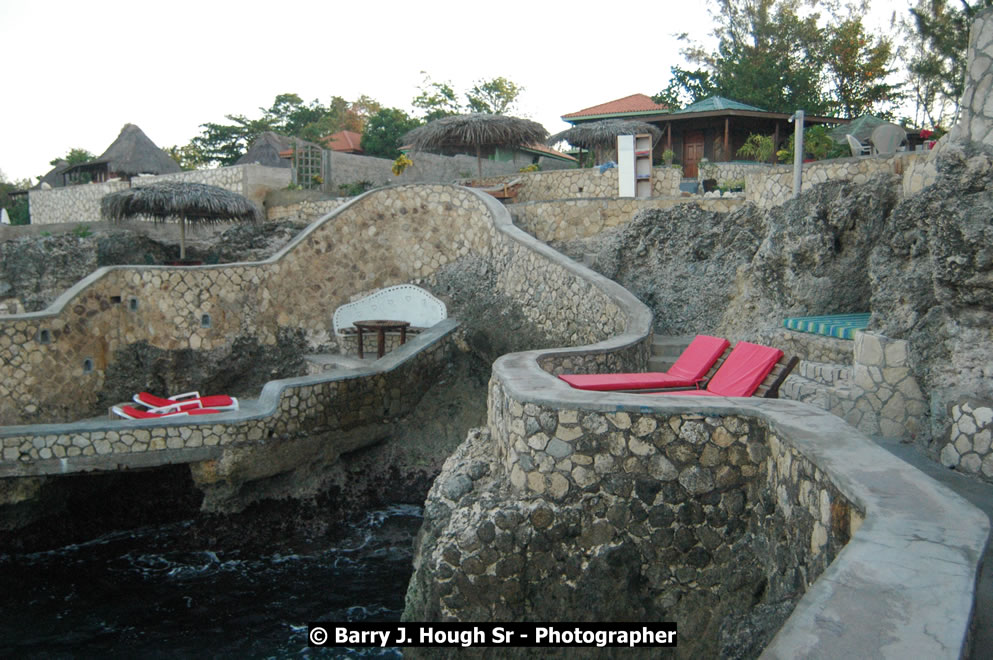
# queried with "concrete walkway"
point(981, 495)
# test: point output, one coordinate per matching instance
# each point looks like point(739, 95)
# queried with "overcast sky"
point(76, 72)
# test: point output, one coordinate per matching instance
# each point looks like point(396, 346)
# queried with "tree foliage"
point(937, 39)
point(383, 131)
point(774, 55)
point(17, 207)
point(288, 115)
point(497, 96)
point(685, 88)
point(74, 157)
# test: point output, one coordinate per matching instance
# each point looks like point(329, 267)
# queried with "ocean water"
point(145, 594)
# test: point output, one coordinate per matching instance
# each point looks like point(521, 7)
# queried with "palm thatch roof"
point(181, 200)
point(478, 131)
point(178, 199)
point(266, 149)
point(603, 133)
point(53, 178)
point(132, 153)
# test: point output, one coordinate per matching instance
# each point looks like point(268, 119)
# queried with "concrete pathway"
point(981, 495)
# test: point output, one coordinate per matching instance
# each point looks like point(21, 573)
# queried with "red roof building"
point(348, 142)
point(629, 107)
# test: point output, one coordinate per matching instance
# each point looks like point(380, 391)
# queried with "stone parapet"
point(581, 183)
point(305, 211)
point(70, 204)
point(289, 408)
point(976, 117)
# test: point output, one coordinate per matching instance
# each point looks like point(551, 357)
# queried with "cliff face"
point(923, 266)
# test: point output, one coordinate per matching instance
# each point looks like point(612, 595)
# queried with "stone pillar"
point(976, 119)
point(968, 445)
point(886, 391)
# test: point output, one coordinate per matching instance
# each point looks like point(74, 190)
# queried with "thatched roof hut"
point(477, 132)
point(131, 154)
point(601, 136)
point(266, 149)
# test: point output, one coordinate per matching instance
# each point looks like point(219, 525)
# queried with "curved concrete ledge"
point(198, 438)
point(904, 584)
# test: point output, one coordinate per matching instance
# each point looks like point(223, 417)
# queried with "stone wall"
point(300, 407)
point(733, 171)
point(304, 211)
point(569, 219)
point(70, 204)
point(968, 445)
point(82, 203)
point(582, 183)
point(774, 185)
point(976, 117)
point(55, 362)
point(426, 168)
point(716, 513)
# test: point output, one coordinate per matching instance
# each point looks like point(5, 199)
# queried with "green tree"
point(436, 99)
point(383, 131)
point(223, 144)
point(937, 39)
point(774, 55)
point(188, 156)
point(74, 157)
point(685, 88)
point(17, 207)
point(495, 97)
point(857, 66)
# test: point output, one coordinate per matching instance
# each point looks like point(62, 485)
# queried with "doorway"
point(692, 153)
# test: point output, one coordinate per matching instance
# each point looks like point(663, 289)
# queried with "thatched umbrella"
point(196, 202)
point(597, 136)
point(477, 131)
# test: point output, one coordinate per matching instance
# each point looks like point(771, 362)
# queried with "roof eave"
point(570, 119)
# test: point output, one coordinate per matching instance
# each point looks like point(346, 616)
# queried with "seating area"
point(187, 403)
point(749, 370)
point(406, 307)
point(840, 326)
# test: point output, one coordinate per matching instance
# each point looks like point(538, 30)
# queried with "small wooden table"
point(381, 327)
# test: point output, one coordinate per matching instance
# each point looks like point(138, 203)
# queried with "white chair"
point(858, 149)
point(886, 139)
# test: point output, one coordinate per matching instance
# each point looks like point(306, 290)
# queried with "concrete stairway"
point(822, 384)
point(666, 349)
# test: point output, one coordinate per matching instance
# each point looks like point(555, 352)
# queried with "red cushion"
point(692, 365)
point(742, 373)
point(633, 381)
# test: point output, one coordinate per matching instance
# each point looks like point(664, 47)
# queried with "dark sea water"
point(145, 594)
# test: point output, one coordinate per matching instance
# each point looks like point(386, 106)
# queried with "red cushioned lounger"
point(187, 401)
point(742, 373)
point(689, 369)
point(130, 412)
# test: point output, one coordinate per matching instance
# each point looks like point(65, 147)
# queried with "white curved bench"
point(404, 302)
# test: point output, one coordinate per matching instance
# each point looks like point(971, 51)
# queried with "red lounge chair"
point(130, 412)
point(746, 368)
point(691, 367)
point(185, 401)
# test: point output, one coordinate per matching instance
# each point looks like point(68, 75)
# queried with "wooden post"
point(727, 146)
point(775, 143)
point(668, 136)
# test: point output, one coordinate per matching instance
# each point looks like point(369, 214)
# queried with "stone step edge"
point(828, 373)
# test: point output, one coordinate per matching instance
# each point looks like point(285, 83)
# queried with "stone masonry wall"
point(53, 362)
point(570, 219)
point(582, 183)
point(726, 173)
point(968, 445)
point(82, 203)
point(537, 514)
point(774, 186)
point(305, 211)
point(304, 407)
point(70, 204)
point(976, 117)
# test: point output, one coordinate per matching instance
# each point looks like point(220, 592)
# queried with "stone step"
point(826, 373)
point(670, 346)
point(659, 363)
point(799, 388)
